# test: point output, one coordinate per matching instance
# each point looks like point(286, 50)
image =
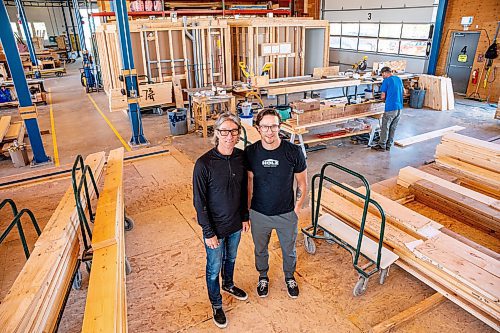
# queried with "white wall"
point(379, 11)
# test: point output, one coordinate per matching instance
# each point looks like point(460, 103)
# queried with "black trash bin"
point(178, 121)
point(417, 97)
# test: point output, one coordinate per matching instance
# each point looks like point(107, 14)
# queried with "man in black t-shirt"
point(220, 199)
point(273, 165)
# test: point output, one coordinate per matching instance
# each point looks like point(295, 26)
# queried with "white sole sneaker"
point(219, 325)
point(237, 297)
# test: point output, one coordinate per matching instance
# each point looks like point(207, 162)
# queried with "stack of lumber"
point(35, 300)
point(466, 276)
point(476, 160)
point(439, 92)
point(106, 307)
point(472, 207)
point(10, 132)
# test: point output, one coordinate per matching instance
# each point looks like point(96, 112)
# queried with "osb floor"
point(166, 291)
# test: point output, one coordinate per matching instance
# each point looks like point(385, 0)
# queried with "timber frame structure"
point(201, 52)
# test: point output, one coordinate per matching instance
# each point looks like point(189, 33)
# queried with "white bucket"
point(247, 119)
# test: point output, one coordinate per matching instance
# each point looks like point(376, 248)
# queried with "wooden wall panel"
point(485, 15)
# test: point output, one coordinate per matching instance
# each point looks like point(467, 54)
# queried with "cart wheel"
point(88, 266)
point(128, 268)
point(360, 287)
point(383, 275)
point(59, 74)
point(77, 281)
point(129, 223)
point(309, 245)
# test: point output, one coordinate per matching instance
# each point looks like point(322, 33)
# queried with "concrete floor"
point(80, 129)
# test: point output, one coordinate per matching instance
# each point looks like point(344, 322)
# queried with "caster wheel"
point(129, 223)
point(360, 287)
point(384, 273)
point(309, 245)
point(128, 268)
point(77, 281)
point(329, 241)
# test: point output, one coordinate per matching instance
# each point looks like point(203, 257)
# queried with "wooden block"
point(4, 126)
point(179, 99)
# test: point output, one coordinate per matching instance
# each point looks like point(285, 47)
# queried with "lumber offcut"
point(36, 297)
point(427, 136)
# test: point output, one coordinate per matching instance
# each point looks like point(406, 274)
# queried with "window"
point(21, 28)
point(388, 45)
point(349, 43)
point(41, 30)
point(368, 44)
point(335, 42)
point(368, 29)
point(415, 31)
point(335, 29)
point(413, 47)
point(390, 30)
point(350, 29)
point(391, 38)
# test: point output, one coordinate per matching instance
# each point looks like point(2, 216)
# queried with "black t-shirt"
point(273, 176)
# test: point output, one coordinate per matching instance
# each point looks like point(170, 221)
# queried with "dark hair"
point(385, 70)
point(267, 112)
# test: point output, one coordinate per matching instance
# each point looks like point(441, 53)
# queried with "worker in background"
point(392, 94)
point(273, 165)
point(220, 199)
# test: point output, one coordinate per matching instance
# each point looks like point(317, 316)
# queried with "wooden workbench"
point(298, 131)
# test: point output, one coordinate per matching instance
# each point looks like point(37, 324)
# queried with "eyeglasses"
point(265, 128)
point(234, 132)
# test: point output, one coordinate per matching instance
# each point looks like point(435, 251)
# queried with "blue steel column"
point(129, 73)
point(436, 38)
point(78, 18)
point(27, 34)
point(26, 108)
point(74, 30)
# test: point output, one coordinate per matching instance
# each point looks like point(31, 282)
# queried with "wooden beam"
point(408, 314)
point(427, 136)
point(4, 126)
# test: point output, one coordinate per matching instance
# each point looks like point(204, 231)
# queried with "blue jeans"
point(220, 261)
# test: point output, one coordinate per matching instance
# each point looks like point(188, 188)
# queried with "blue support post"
point(26, 108)
point(74, 30)
point(27, 34)
point(436, 38)
point(129, 74)
point(78, 18)
point(67, 29)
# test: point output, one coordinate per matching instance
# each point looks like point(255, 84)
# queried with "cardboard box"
point(306, 104)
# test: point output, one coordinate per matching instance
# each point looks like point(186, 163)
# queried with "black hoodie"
point(220, 192)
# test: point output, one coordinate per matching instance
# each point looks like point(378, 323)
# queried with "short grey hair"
point(218, 123)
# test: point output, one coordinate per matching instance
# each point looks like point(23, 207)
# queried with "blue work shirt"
point(393, 89)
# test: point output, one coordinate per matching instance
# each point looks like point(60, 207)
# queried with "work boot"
point(263, 287)
point(292, 287)
point(236, 292)
point(219, 318)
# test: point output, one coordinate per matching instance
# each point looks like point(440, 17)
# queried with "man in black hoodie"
point(220, 200)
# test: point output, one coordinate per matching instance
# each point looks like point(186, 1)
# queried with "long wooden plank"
point(457, 205)
point(473, 142)
point(105, 309)
point(409, 175)
point(426, 305)
point(427, 136)
point(462, 153)
point(13, 131)
point(4, 126)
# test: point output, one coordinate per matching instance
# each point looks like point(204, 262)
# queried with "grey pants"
point(390, 121)
point(286, 228)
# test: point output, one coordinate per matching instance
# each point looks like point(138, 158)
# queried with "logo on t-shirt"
point(270, 163)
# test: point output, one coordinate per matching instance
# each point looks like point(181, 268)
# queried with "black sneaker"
point(292, 288)
point(388, 148)
point(263, 287)
point(236, 292)
point(378, 147)
point(219, 318)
